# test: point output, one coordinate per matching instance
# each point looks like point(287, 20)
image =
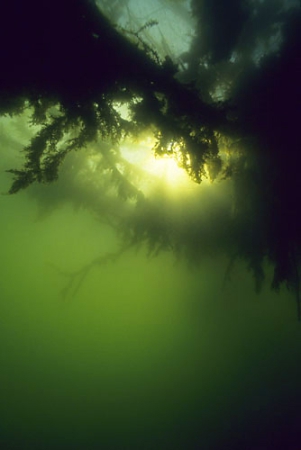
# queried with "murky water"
point(101, 350)
point(148, 354)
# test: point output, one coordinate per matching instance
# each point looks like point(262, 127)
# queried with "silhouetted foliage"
point(238, 88)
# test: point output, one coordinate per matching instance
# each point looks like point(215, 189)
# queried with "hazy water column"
point(147, 354)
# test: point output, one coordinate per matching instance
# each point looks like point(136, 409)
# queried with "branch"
point(76, 279)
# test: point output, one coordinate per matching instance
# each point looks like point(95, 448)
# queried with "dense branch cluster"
point(238, 87)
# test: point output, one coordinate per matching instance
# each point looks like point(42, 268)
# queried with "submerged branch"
point(77, 278)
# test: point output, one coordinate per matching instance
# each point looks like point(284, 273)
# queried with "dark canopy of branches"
point(67, 55)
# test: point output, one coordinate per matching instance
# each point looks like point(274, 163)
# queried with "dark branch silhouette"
point(77, 278)
point(238, 88)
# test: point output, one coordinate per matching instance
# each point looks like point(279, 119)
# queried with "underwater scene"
point(102, 348)
point(150, 237)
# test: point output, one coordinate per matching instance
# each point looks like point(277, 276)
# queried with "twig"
point(76, 278)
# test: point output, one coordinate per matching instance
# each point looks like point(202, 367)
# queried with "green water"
point(148, 354)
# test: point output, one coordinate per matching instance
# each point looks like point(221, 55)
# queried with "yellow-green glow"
point(148, 354)
point(166, 167)
point(159, 170)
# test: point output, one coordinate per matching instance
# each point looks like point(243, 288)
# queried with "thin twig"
point(77, 278)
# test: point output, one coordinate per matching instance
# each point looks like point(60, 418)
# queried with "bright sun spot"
point(158, 170)
point(163, 169)
point(166, 168)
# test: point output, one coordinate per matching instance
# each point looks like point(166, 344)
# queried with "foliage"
point(239, 90)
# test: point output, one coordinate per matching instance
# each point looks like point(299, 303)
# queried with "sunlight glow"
point(158, 170)
point(167, 168)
